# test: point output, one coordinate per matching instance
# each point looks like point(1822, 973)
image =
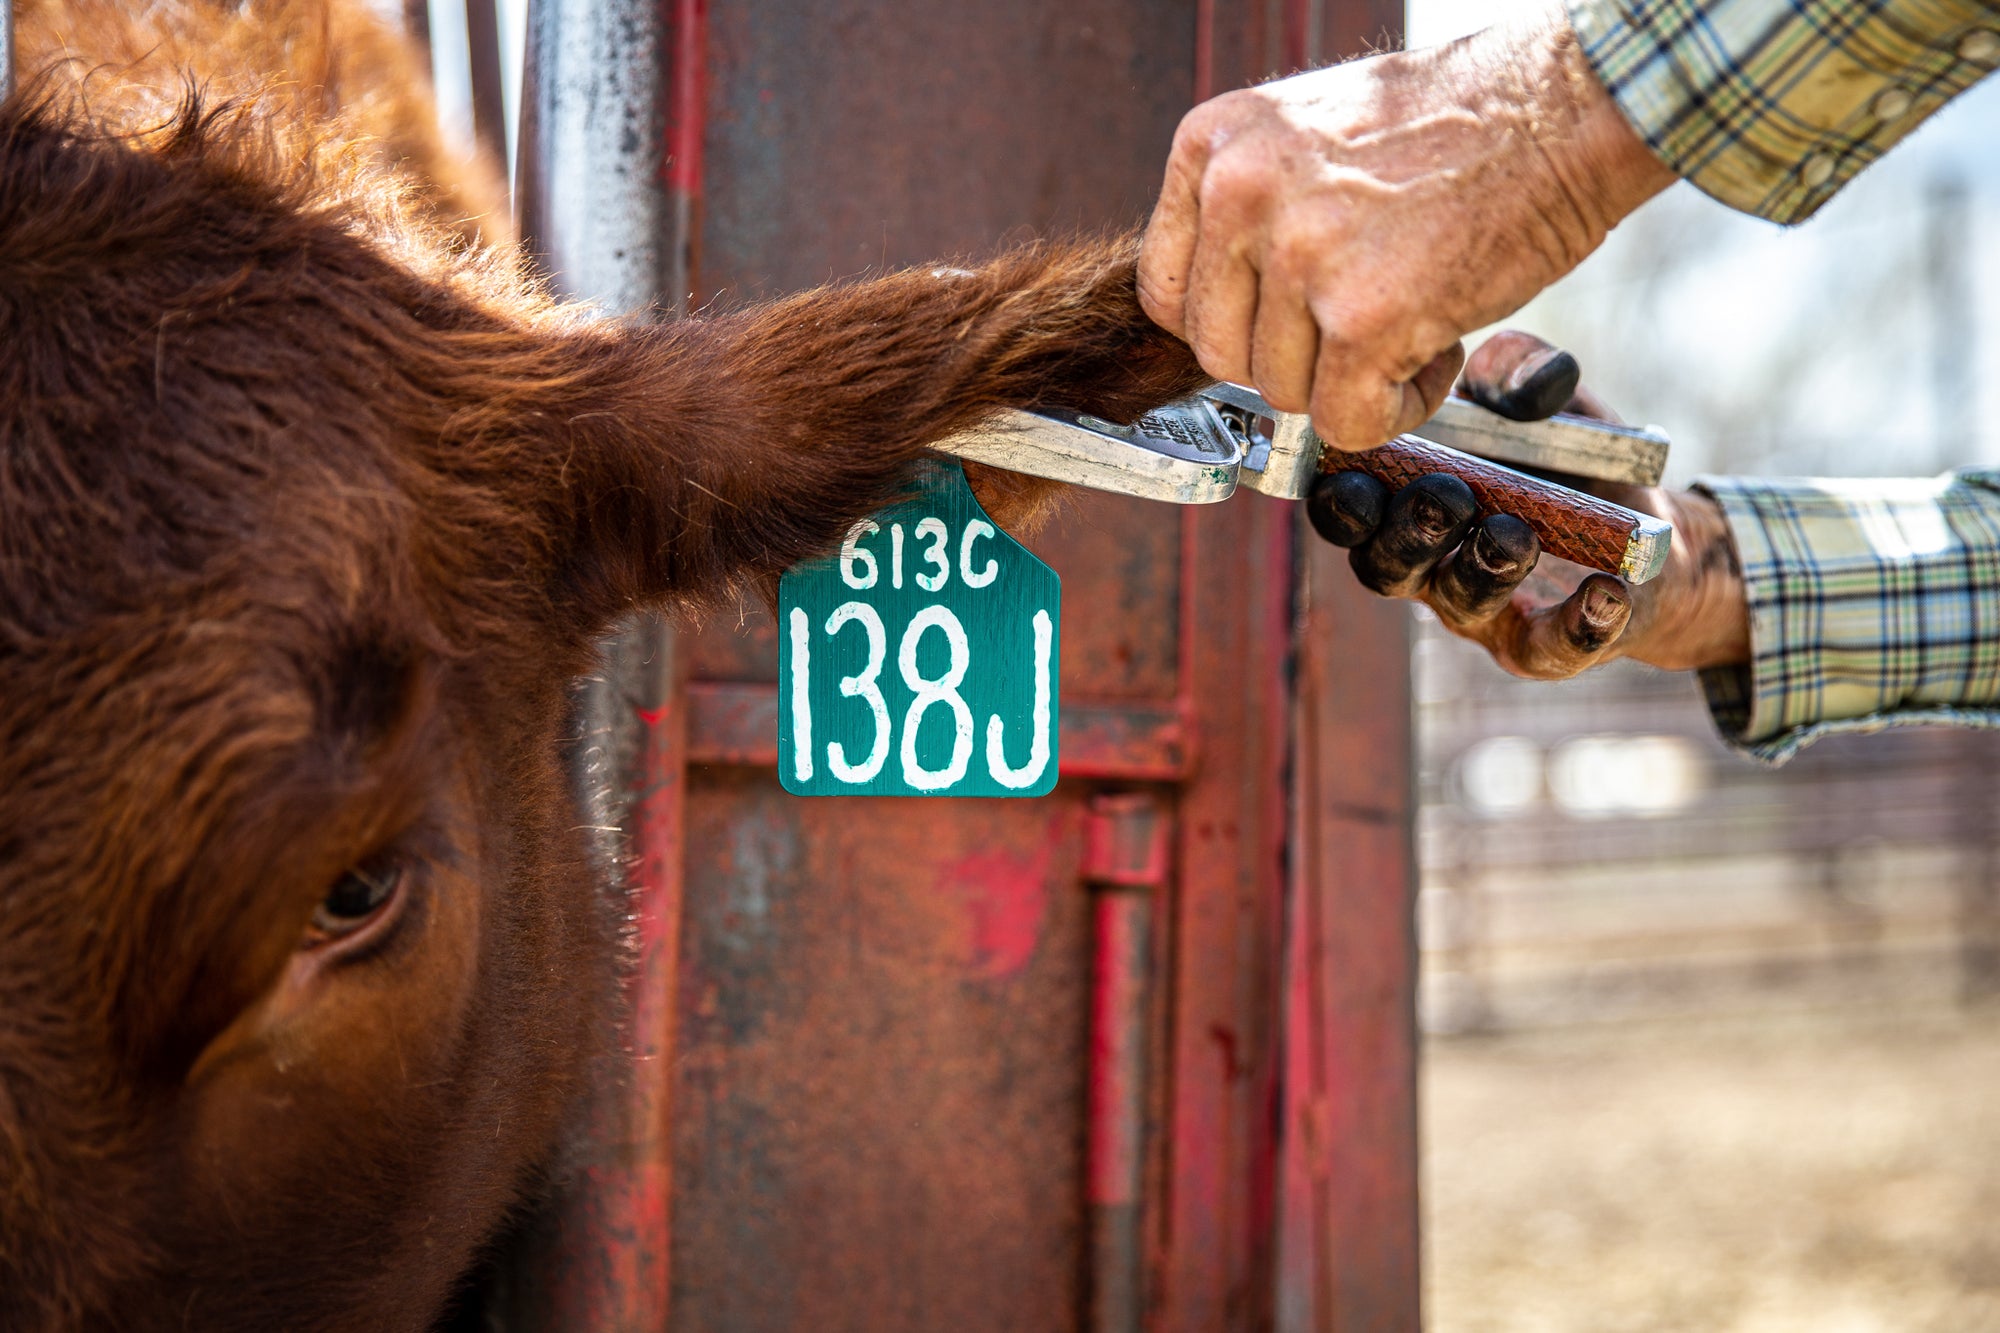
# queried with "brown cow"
point(308, 513)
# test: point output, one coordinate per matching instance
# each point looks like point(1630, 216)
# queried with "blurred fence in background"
point(1592, 851)
point(1807, 1137)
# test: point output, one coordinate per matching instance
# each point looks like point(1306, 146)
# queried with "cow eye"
point(357, 898)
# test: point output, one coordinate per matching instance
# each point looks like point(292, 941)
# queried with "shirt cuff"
point(1873, 604)
point(1772, 106)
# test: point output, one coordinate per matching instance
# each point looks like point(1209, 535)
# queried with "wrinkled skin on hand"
point(1331, 236)
point(1542, 618)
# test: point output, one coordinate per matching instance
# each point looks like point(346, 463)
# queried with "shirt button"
point(1890, 104)
point(1817, 171)
point(1979, 46)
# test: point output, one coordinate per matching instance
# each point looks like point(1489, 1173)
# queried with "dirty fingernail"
point(1526, 369)
point(1347, 507)
point(1601, 606)
point(1504, 545)
point(1540, 385)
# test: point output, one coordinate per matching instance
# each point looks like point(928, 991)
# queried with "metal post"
point(595, 205)
point(1128, 844)
point(6, 48)
point(489, 111)
point(592, 199)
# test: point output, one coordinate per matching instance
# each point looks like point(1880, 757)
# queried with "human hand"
point(1543, 618)
point(1330, 237)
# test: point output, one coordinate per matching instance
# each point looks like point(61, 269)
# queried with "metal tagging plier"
point(1200, 449)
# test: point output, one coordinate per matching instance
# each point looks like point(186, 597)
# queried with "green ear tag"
point(922, 660)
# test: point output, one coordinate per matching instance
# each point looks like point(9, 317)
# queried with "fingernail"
point(1428, 516)
point(1533, 366)
point(1505, 545)
point(1544, 382)
point(1600, 605)
point(1486, 552)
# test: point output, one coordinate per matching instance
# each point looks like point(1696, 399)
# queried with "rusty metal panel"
point(886, 1007)
point(1349, 1247)
point(881, 1067)
point(849, 135)
point(984, 1065)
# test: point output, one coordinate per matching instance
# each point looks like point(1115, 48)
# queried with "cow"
point(313, 502)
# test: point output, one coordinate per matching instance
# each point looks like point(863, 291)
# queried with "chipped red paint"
point(1004, 894)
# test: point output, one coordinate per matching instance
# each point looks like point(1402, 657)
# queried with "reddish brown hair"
point(310, 507)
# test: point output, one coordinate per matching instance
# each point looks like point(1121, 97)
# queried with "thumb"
point(1520, 376)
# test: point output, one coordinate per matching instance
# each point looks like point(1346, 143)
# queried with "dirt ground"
point(1834, 1172)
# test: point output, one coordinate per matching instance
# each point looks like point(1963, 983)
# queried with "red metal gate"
point(1137, 1054)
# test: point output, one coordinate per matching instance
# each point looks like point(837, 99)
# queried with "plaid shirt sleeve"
point(1873, 604)
point(1772, 106)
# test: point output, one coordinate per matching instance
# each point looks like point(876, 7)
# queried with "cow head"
point(307, 517)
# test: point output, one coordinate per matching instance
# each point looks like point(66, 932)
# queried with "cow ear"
point(682, 459)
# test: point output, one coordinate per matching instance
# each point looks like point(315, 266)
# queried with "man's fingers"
point(1221, 308)
point(1351, 409)
point(1354, 409)
point(1167, 253)
point(1283, 347)
point(1564, 639)
point(1476, 580)
point(1425, 519)
point(1347, 508)
point(1426, 391)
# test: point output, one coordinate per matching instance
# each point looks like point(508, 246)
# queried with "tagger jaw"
point(1182, 453)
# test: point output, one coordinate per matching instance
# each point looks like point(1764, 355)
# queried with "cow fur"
point(312, 502)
